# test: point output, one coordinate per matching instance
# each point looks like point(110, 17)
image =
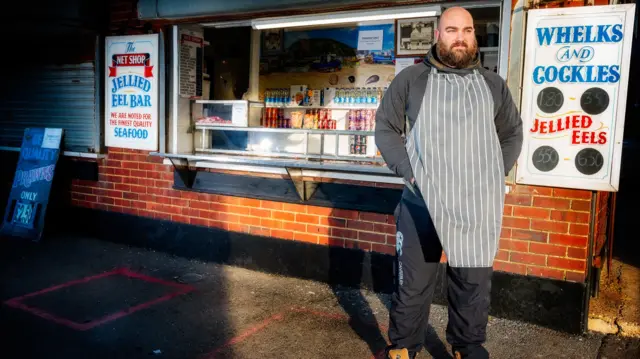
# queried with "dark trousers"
point(418, 259)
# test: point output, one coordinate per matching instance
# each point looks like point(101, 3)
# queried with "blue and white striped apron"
point(457, 161)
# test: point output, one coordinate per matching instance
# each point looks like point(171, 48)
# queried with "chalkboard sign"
point(594, 101)
point(589, 161)
point(24, 215)
point(550, 99)
point(545, 158)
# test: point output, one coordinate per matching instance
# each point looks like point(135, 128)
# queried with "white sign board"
point(131, 97)
point(191, 63)
point(574, 96)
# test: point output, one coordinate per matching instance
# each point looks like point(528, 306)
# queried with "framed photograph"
point(272, 41)
point(414, 37)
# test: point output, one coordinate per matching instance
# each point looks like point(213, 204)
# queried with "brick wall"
point(601, 225)
point(545, 233)
point(545, 230)
point(134, 183)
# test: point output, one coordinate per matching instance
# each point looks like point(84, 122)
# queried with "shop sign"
point(574, 96)
point(131, 97)
point(27, 204)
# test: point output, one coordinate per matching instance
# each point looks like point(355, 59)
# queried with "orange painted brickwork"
point(545, 231)
point(601, 226)
point(134, 183)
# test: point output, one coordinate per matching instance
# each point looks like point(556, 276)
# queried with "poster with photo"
point(351, 56)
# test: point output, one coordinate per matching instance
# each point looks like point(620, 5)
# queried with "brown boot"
point(457, 355)
point(398, 354)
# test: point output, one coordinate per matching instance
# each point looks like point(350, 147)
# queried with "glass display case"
point(338, 129)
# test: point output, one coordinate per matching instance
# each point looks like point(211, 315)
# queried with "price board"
point(574, 95)
point(26, 207)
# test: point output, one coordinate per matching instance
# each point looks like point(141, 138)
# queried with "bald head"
point(456, 38)
point(455, 16)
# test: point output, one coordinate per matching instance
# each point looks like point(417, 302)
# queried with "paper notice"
point(370, 40)
point(402, 63)
point(52, 137)
point(239, 114)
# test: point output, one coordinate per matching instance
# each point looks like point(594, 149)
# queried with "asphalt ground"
point(70, 297)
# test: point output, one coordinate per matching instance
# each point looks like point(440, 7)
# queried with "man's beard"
point(455, 58)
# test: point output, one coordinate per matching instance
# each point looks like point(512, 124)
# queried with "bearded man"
point(450, 128)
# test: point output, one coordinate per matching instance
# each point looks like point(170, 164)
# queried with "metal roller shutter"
point(51, 96)
point(51, 83)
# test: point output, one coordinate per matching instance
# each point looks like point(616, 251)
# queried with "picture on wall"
point(414, 37)
point(272, 41)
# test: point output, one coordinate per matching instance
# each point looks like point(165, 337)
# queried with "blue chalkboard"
point(24, 215)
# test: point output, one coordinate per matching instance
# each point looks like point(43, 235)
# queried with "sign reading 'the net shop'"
point(131, 97)
point(574, 96)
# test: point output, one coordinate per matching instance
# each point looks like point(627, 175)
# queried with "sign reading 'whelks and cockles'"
point(132, 92)
point(574, 96)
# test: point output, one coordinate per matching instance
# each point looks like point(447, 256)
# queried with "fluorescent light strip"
point(345, 17)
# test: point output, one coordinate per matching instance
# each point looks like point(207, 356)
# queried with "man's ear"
point(437, 34)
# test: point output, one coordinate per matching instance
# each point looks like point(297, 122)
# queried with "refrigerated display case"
point(284, 128)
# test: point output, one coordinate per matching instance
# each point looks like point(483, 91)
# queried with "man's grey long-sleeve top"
point(404, 97)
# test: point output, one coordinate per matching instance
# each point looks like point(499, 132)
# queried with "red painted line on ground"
point(129, 273)
point(321, 314)
point(331, 315)
point(45, 315)
point(67, 284)
point(262, 325)
point(124, 313)
point(16, 302)
point(249, 332)
point(382, 327)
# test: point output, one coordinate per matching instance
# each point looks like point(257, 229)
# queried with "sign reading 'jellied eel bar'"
point(131, 117)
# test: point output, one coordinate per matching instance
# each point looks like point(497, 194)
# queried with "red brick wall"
point(545, 230)
point(601, 225)
point(134, 183)
point(545, 233)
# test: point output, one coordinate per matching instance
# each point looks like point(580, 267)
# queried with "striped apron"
point(457, 161)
